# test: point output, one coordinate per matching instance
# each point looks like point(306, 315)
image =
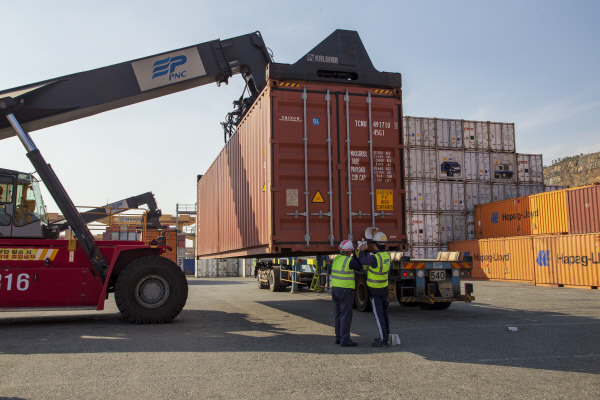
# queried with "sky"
point(534, 63)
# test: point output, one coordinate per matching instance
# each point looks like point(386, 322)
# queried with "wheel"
point(435, 306)
point(151, 290)
point(260, 284)
point(274, 280)
point(361, 294)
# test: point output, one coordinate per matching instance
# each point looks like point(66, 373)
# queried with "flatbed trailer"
point(430, 284)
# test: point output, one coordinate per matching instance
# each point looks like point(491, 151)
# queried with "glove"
point(362, 245)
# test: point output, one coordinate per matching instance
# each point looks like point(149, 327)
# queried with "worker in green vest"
point(342, 292)
point(378, 263)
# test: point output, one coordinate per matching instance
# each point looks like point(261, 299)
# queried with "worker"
point(342, 291)
point(377, 280)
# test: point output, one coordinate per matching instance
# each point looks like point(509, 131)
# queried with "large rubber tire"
point(151, 290)
point(274, 281)
point(361, 294)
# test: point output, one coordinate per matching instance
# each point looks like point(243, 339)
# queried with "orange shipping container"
point(568, 260)
point(311, 164)
point(543, 213)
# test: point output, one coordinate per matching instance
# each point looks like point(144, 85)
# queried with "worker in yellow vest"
point(378, 263)
point(342, 291)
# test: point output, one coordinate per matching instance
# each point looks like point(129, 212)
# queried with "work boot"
point(337, 340)
point(348, 343)
point(379, 343)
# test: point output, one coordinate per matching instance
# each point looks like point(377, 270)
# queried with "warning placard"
point(385, 199)
point(318, 198)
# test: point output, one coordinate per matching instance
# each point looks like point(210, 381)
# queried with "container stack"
point(451, 166)
point(550, 238)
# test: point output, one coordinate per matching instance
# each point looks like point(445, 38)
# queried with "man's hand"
point(362, 245)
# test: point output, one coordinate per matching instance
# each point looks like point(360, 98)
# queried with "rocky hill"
point(580, 170)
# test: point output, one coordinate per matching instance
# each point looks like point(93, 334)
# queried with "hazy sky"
point(534, 63)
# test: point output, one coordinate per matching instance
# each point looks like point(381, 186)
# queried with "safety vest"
point(377, 277)
point(341, 274)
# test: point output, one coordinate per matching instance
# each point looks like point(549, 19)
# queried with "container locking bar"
point(330, 193)
point(306, 192)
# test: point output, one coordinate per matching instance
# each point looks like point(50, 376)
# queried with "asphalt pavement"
point(234, 341)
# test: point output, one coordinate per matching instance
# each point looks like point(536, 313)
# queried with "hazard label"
point(385, 199)
point(318, 198)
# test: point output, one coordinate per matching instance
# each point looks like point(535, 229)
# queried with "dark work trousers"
point(379, 302)
point(343, 300)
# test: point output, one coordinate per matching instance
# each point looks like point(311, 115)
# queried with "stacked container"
point(452, 166)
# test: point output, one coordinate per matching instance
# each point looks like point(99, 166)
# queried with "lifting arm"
point(54, 101)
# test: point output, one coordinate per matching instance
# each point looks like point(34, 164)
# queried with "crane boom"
point(70, 97)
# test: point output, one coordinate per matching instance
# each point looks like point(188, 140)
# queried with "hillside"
point(583, 169)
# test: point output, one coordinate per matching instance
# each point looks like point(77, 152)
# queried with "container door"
point(371, 165)
point(305, 179)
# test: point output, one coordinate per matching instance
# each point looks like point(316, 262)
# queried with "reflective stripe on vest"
point(377, 277)
point(341, 275)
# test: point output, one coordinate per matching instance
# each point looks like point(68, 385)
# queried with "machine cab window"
point(29, 206)
point(6, 188)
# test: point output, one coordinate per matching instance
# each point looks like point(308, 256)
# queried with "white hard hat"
point(346, 245)
point(379, 237)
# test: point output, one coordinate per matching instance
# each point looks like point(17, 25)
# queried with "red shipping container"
point(311, 164)
point(584, 209)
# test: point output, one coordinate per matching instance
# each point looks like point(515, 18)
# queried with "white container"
point(421, 164)
point(526, 189)
point(422, 229)
point(471, 226)
point(502, 136)
point(530, 168)
point(476, 135)
point(551, 188)
point(453, 227)
point(477, 166)
point(422, 196)
point(450, 164)
point(451, 196)
point(426, 252)
point(503, 166)
point(477, 193)
point(449, 133)
point(419, 132)
point(504, 191)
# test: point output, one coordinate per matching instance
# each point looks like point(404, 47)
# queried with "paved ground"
point(233, 341)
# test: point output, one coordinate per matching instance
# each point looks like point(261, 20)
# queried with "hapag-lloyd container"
point(542, 213)
point(505, 258)
point(300, 175)
point(567, 260)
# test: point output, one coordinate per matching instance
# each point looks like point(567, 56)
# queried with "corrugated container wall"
point(530, 168)
point(297, 176)
point(584, 209)
point(543, 213)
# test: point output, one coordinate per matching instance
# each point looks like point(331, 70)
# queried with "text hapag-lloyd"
point(520, 216)
point(491, 257)
point(583, 260)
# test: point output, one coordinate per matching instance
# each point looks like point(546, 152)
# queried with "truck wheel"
point(261, 285)
point(151, 290)
point(361, 294)
point(274, 280)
